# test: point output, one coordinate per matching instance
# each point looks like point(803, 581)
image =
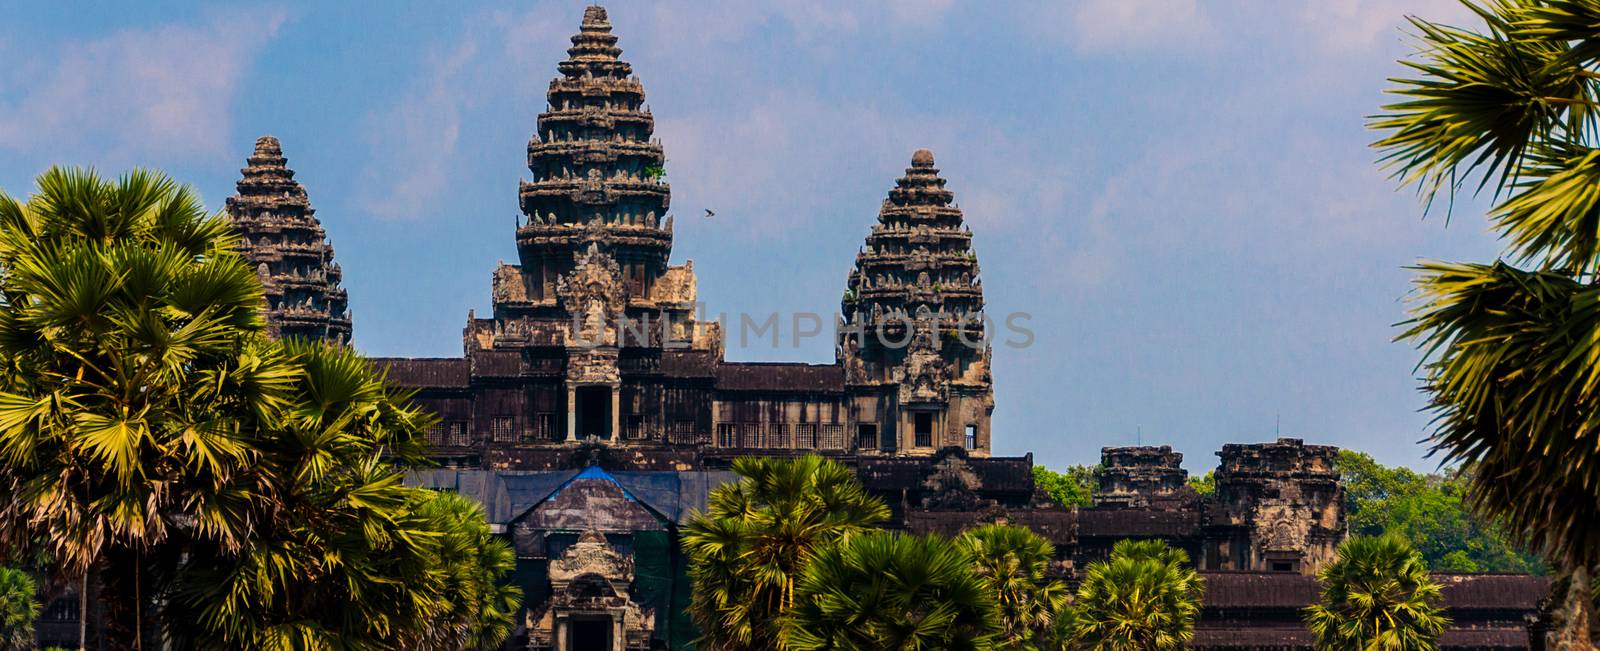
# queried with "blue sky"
point(1180, 193)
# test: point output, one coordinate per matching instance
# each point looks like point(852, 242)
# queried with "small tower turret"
point(913, 319)
point(281, 237)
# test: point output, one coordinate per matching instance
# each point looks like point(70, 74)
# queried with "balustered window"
point(805, 436)
point(683, 433)
point(544, 427)
point(458, 434)
point(832, 437)
point(866, 436)
point(502, 429)
point(728, 435)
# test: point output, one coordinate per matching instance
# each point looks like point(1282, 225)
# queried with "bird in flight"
point(710, 214)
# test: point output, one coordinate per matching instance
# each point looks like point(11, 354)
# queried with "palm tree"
point(149, 432)
point(19, 606)
point(891, 591)
point(1014, 564)
point(480, 607)
point(1145, 598)
point(1510, 352)
point(757, 536)
point(1377, 595)
point(343, 554)
point(123, 391)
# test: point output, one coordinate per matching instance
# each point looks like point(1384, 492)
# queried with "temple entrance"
point(591, 635)
point(594, 411)
point(923, 426)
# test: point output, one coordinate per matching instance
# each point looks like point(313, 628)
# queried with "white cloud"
point(162, 91)
point(1345, 26)
point(415, 140)
point(1117, 25)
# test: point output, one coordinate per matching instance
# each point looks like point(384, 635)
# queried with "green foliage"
point(1377, 595)
point(1204, 485)
point(19, 607)
point(1510, 359)
point(1144, 598)
point(1075, 487)
point(343, 555)
point(1431, 512)
point(758, 536)
point(655, 172)
point(480, 607)
point(128, 368)
point(149, 431)
point(891, 591)
point(1014, 565)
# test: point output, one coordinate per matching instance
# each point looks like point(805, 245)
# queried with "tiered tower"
point(1281, 507)
point(597, 175)
point(281, 236)
point(913, 319)
point(593, 296)
point(1133, 476)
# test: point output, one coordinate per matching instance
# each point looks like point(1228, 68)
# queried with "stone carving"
point(925, 376)
point(1131, 477)
point(1286, 500)
point(593, 295)
point(592, 555)
point(280, 233)
point(590, 582)
point(508, 284)
point(593, 366)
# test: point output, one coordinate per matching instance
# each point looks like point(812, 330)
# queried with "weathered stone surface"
point(1281, 506)
point(281, 237)
point(1133, 476)
point(913, 316)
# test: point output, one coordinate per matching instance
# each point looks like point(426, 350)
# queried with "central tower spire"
point(597, 174)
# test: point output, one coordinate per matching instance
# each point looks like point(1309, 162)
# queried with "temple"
point(594, 334)
point(593, 411)
point(280, 234)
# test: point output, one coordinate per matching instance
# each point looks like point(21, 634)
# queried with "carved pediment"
point(925, 377)
point(591, 555)
point(593, 297)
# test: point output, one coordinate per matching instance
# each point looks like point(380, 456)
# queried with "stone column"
point(619, 637)
point(572, 413)
point(616, 413)
point(561, 634)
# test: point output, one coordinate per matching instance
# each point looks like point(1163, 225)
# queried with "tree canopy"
point(225, 490)
point(1377, 595)
point(1075, 487)
point(1430, 511)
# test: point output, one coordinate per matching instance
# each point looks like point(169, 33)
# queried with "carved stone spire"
point(917, 271)
point(282, 239)
point(913, 317)
point(597, 174)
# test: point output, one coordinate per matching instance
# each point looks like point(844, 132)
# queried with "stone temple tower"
point(593, 295)
point(913, 327)
point(597, 174)
point(281, 237)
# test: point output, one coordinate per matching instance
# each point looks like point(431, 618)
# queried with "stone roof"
point(1137, 523)
point(507, 495)
point(597, 171)
point(281, 237)
point(780, 377)
point(1291, 590)
point(917, 259)
point(425, 372)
